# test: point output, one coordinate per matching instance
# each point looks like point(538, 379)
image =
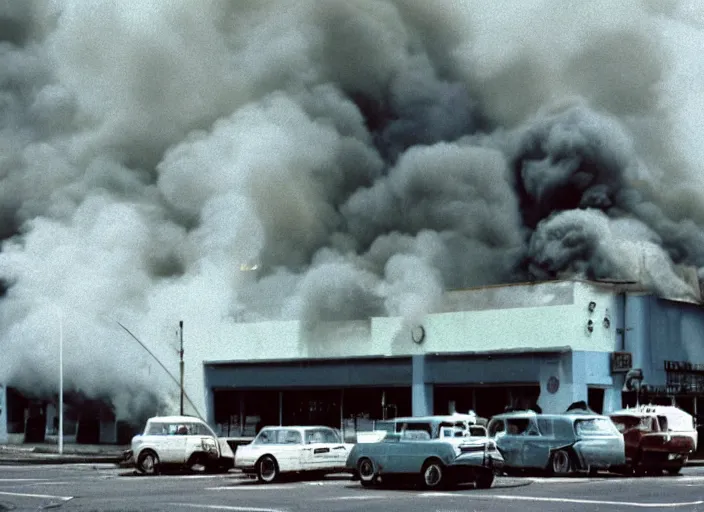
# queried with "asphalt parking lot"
point(106, 488)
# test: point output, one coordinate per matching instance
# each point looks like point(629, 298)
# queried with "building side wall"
point(673, 332)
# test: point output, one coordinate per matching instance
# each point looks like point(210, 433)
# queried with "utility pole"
point(61, 383)
point(180, 352)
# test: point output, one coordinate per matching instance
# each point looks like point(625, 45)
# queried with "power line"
point(164, 367)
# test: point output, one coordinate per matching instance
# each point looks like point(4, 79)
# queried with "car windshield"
point(594, 427)
point(624, 423)
point(454, 429)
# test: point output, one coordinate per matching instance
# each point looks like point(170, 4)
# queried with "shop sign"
point(621, 362)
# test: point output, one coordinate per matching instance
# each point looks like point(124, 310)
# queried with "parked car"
point(438, 426)
point(437, 452)
point(180, 442)
point(557, 443)
point(278, 450)
point(657, 438)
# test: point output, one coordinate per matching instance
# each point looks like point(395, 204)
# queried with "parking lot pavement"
point(91, 487)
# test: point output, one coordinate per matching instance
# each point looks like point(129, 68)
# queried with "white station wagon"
point(278, 450)
point(180, 441)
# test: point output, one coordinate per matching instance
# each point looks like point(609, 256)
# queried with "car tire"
point(267, 469)
point(484, 480)
point(199, 463)
point(432, 475)
point(561, 463)
point(148, 463)
point(366, 472)
point(674, 470)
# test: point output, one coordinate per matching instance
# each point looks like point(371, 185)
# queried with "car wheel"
point(484, 480)
point(561, 463)
point(433, 474)
point(366, 471)
point(148, 462)
point(674, 470)
point(197, 464)
point(267, 469)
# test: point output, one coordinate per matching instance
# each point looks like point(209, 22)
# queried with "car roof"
point(533, 414)
point(296, 427)
point(175, 419)
point(644, 410)
point(436, 418)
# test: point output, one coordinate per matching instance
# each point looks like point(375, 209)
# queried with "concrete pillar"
point(281, 408)
point(562, 382)
point(636, 333)
point(612, 396)
point(209, 406)
point(422, 393)
point(3, 414)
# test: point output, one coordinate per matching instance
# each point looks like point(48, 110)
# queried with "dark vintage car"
point(657, 438)
point(560, 444)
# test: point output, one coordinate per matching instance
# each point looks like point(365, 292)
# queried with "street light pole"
point(61, 383)
point(180, 326)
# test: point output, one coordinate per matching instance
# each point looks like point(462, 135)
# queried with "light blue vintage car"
point(432, 450)
point(561, 444)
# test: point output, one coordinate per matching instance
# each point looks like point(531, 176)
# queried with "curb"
point(78, 459)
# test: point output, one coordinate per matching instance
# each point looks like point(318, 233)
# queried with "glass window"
point(517, 426)
point(624, 423)
point(412, 425)
point(157, 429)
point(478, 431)
point(496, 427)
point(199, 429)
point(662, 423)
point(266, 437)
point(594, 427)
point(545, 427)
point(289, 437)
point(322, 435)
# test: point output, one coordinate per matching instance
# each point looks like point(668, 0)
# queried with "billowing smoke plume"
point(234, 161)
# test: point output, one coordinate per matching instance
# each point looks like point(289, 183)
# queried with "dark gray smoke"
point(239, 161)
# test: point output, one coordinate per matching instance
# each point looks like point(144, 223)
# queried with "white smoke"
point(362, 156)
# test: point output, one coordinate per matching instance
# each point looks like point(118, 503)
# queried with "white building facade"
point(548, 344)
point(541, 345)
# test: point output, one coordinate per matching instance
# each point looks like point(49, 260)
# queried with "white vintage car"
point(180, 441)
point(278, 450)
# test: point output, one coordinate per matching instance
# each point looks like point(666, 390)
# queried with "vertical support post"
point(61, 382)
point(180, 352)
point(421, 390)
point(342, 413)
point(281, 408)
point(242, 416)
point(474, 399)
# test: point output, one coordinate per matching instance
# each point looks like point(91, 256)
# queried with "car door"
point(536, 443)
point(173, 446)
point(510, 442)
point(323, 450)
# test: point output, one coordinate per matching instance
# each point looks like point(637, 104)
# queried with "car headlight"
point(458, 451)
